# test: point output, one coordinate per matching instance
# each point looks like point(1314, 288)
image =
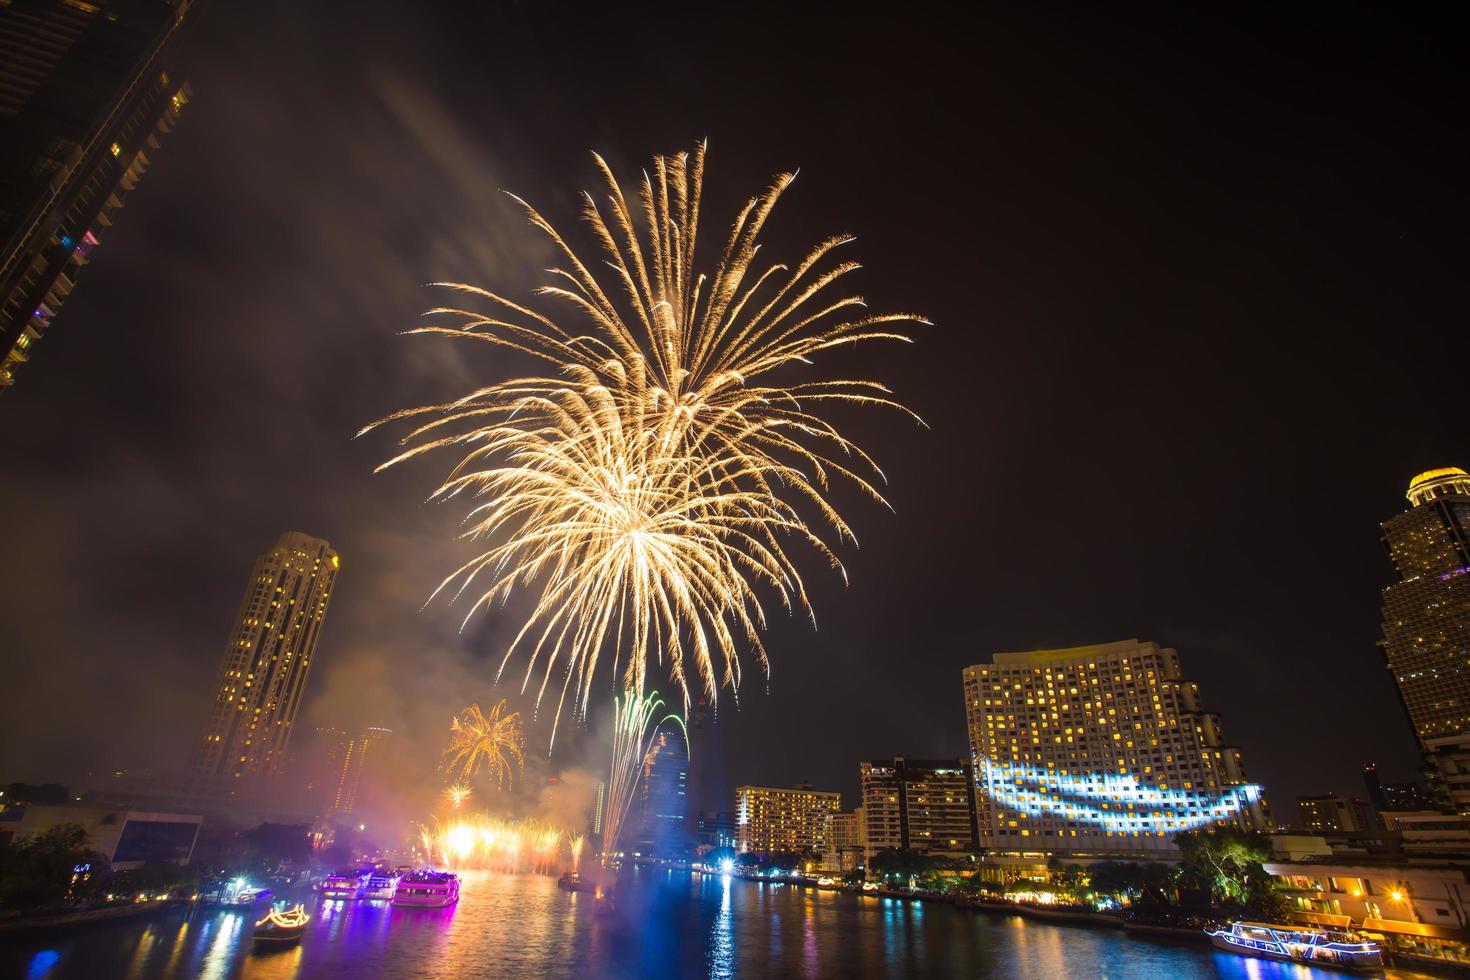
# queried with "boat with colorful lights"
point(1298, 944)
point(282, 926)
point(380, 887)
point(346, 885)
point(427, 890)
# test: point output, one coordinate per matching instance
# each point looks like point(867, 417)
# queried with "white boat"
point(380, 886)
point(1298, 944)
point(346, 884)
point(427, 890)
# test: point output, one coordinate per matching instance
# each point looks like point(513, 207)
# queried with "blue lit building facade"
point(661, 828)
point(1099, 750)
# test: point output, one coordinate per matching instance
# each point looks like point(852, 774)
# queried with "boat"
point(1298, 944)
point(380, 886)
point(570, 881)
point(427, 890)
point(282, 926)
point(346, 884)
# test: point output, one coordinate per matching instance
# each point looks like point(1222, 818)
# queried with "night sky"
point(1197, 283)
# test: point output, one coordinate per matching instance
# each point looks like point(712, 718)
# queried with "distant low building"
point(127, 838)
point(715, 829)
point(774, 820)
point(1333, 814)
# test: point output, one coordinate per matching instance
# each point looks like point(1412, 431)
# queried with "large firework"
point(493, 743)
point(634, 730)
point(653, 479)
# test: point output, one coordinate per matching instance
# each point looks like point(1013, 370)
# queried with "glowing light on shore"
point(650, 483)
point(633, 733)
point(493, 743)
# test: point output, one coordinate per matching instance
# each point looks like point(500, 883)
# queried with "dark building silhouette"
point(1426, 624)
point(85, 98)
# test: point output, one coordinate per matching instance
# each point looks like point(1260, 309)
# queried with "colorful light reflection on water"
point(668, 923)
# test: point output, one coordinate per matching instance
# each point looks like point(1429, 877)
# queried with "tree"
point(36, 870)
point(1227, 864)
point(1148, 881)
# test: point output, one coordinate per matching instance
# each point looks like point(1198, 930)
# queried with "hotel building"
point(1099, 750)
point(1426, 623)
point(262, 676)
point(771, 820)
point(84, 102)
point(924, 805)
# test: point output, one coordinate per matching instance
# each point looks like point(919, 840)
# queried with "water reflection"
point(722, 937)
point(667, 924)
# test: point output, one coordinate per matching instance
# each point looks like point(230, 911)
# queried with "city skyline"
point(1037, 534)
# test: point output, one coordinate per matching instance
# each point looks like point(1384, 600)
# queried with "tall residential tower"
point(84, 99)
point(1099, 750)
point(262, 678)
point(1426, 623)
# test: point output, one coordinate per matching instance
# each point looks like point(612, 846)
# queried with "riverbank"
point(27, 925)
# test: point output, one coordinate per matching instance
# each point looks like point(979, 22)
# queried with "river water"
point(668, 923)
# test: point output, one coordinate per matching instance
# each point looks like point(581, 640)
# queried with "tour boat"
point(1298, 944)
point(380, 886)
point(282, 926)
point(346, 884)
point(427, 890)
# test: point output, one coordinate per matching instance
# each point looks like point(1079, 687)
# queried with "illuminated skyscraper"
point(1426, 623)
point(661, 828)
point(352, 755)
point(84, 100)
point(1098, 749)
point(262, 677)
point(771, 820)
point(925, 805)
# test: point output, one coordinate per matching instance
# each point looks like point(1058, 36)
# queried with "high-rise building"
point(1426, 623)
point(1098, 750)
point(925, 805)
point(1333, 814)
point(660, 828)
point(262, 677)
point(772, 820)
point(84, 100)
point(599, 808)
point(353, 755)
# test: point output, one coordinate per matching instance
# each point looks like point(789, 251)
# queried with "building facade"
point(1426, 623)
point(262, 677)
point(1333, 814)
point(1099, 750)
point(924, 805)
point(354, 756)
point(127, 838)
point(772, 820)
point(661, 817)
point(84, 101)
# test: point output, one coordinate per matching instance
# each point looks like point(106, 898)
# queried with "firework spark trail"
point(493, 742)
point(648, 485)
point(632, 739)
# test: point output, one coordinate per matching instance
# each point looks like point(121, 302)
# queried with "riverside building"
point(1426, 624)
point(925, 805)
point(262, 676)
point(1099, 750)
point(772, 820)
